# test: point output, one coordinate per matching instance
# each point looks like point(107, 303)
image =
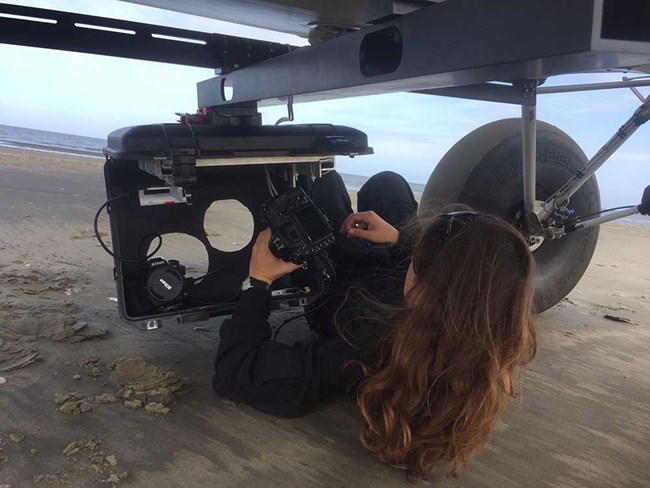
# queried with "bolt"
point(153, 324)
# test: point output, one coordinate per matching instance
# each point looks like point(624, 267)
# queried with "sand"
point(584, 419)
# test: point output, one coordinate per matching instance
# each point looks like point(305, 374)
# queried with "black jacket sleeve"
point(270, 376)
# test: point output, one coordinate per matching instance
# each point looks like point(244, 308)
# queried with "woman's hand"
point(371, 227)
point(264, 265)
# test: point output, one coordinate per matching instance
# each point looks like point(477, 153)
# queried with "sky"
point(93, 95)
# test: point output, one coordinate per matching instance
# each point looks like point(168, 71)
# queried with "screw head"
point(153, 324)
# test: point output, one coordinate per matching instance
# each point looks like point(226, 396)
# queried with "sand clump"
point(145, 385)
point(100, 462)
point(21, 328)
point(14, 355)
point(27, 314)
point(133, 404)
point(89, 365)
point(73, 403)
point(156, 408)
point(115, 478)
point(30, 280)
point(77, 446)
point(52, 479)
point(17, 438)
point(105, 398)
point(142, 385)
point(53, 326)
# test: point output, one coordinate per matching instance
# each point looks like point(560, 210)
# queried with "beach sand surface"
point(583, 421)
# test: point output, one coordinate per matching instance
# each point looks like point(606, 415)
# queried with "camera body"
point(299, 229)
point(165, 281)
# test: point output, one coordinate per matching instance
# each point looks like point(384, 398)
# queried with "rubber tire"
point(484, 170)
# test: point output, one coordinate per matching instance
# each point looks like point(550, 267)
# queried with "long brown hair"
point(448, 368)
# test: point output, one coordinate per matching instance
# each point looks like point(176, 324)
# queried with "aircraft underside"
point(501, 50)
point(299, 17)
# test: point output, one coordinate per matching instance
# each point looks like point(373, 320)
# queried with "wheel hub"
point(534, 241)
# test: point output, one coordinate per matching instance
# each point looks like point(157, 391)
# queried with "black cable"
point(153, 236)
point(327, 265)
point(289, 117)
point(299, 316)
point(208, 302)
point(196, 141)
point(602, 212)
point(269, 182)
point(105, 247)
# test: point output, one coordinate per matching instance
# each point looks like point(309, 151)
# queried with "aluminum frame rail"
point(451, 44)
point(519, 93)
point(67, 31)
point(298, 17)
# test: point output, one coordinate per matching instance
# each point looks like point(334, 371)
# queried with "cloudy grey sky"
point(93, 95)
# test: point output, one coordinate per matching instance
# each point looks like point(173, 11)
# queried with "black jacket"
point(270, 376)
point(290, 381)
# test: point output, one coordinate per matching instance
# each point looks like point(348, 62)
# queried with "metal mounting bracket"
point(53, 29)
point(518, 93)
point(543, 38)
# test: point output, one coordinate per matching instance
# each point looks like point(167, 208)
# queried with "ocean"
point(55, 142)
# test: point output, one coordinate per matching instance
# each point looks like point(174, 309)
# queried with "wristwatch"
point(251, 282)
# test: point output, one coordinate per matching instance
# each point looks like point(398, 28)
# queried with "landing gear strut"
point(536, 176)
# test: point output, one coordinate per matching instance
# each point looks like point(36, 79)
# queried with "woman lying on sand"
point(430, 336)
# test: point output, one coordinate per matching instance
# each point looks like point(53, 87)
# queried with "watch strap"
point(251, 282)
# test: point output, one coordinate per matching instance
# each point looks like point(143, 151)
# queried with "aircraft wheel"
point(484, 170)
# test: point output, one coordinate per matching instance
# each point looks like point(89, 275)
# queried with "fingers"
point(359, 219)
point(368, 235)
point(263, 237)
point(371, 227)
point(289, 267)
point(263, 264)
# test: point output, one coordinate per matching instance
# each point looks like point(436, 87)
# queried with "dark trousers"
point(358, 262)
point(386, 193)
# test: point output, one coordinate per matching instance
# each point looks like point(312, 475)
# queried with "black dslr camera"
point(299, 229)
point(165, 282)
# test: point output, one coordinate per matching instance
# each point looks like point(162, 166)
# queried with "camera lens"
point(165, 283)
